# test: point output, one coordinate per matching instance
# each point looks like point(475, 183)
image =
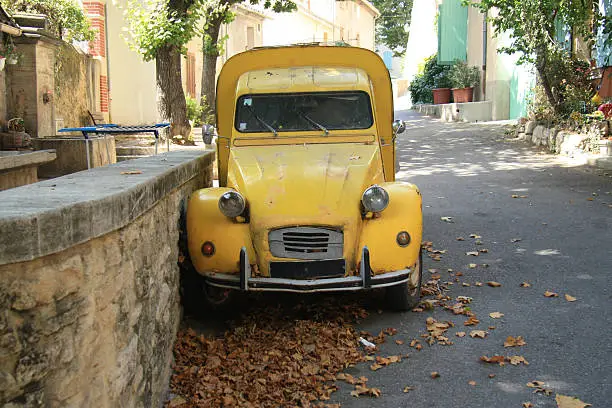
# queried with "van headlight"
point(375, 199)
point(232, 204)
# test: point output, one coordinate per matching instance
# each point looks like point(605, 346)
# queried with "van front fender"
point(379, 234)
point(206, 223)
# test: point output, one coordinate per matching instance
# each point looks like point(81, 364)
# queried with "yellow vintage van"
point(308, 200)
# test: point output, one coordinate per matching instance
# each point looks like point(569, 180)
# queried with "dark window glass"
point(304, 111)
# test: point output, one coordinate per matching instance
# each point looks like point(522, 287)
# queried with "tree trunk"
point(173, 105)
point(541, 64)
point(209, 65)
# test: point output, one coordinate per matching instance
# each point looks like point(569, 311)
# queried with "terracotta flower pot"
point(441, 95)
point(462, 95)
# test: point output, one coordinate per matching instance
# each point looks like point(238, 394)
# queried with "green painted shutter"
point(452, 32)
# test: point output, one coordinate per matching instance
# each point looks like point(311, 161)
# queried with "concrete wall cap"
point(49, 216)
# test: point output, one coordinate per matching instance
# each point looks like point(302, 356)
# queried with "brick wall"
point(103, 93)
point(95, 13)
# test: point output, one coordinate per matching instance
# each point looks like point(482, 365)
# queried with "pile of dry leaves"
point(274, 357)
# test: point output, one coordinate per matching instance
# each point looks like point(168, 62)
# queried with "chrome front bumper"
point(366, 280)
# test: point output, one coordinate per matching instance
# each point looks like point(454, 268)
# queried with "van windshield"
point(293, 112)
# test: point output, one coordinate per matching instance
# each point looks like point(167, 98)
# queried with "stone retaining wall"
point(557, 141)
point(89, 281)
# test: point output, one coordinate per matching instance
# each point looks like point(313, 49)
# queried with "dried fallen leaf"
point(475, 236)
point(494, 284)
point(363, 390)
point(550, 294)
point(460, 239)
point(483, 250)
point(491, 375)
point(563, 401)
point(516, 360)
point(471, 321)
point(495, 359)
point(496, 315)
point(472, 383)
point(570, 298)
point(525, 285)
point(514, 341)
point(460, 334)
point(477, 283)
point(447, 219)
point(399, 342)
point(539, 387)
point(408, 389)
point(435, 374)
point(478, 333)
point(131, 172)
point(472, 253)
point(516, 240)
point(527, 405)
point(472, 265)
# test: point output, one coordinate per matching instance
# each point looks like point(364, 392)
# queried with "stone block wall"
point(89, 277)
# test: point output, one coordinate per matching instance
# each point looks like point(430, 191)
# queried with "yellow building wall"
point(355, 23)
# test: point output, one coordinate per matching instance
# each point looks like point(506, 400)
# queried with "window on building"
point(191, 65)
point(250, 38)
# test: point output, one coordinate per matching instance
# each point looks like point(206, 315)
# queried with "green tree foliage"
point(160, 30)
point(532, 25)
point(66, 18)
point(390, 26)
point(155, 24)
point(216, 13)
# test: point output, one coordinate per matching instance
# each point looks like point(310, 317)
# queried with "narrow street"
point(562, 216)
point(532, 223)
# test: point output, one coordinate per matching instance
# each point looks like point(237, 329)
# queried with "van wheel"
point(407, 295)
point(197, 296)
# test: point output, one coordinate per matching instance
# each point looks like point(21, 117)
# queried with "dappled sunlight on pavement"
point(464, 150)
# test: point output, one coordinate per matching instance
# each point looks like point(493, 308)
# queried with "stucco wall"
point(89, 277)
point(357, 20)
point(133, 89)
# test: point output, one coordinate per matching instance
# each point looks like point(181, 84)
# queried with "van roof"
point(302, 79)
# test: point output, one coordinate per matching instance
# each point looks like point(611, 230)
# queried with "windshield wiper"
point(312, 122)
point(260, 120)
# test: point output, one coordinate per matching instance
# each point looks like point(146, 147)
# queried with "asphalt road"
point(561, 226)
point(564, 222)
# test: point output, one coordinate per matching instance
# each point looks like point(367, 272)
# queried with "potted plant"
point(464, 79)
point(9, 53)
point(442, 88)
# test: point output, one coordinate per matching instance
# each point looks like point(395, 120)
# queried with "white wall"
point(133, 91)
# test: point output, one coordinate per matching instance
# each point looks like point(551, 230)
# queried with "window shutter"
point(452, 32)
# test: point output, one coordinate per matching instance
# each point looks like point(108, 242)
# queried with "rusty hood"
point(316, 184)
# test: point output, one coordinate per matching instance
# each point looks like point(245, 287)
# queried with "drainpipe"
point(108, 81)
point(5, 28)
point(484, 56)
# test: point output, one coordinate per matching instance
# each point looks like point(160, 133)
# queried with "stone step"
point(139, 150)
point(130, 157)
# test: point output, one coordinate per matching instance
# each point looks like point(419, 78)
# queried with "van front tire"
point(407, 295)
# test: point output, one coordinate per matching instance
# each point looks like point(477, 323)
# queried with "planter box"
point(462, 95)
point(605, 147)
point(441, 95)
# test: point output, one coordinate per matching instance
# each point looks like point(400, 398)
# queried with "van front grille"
point(306, 243)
